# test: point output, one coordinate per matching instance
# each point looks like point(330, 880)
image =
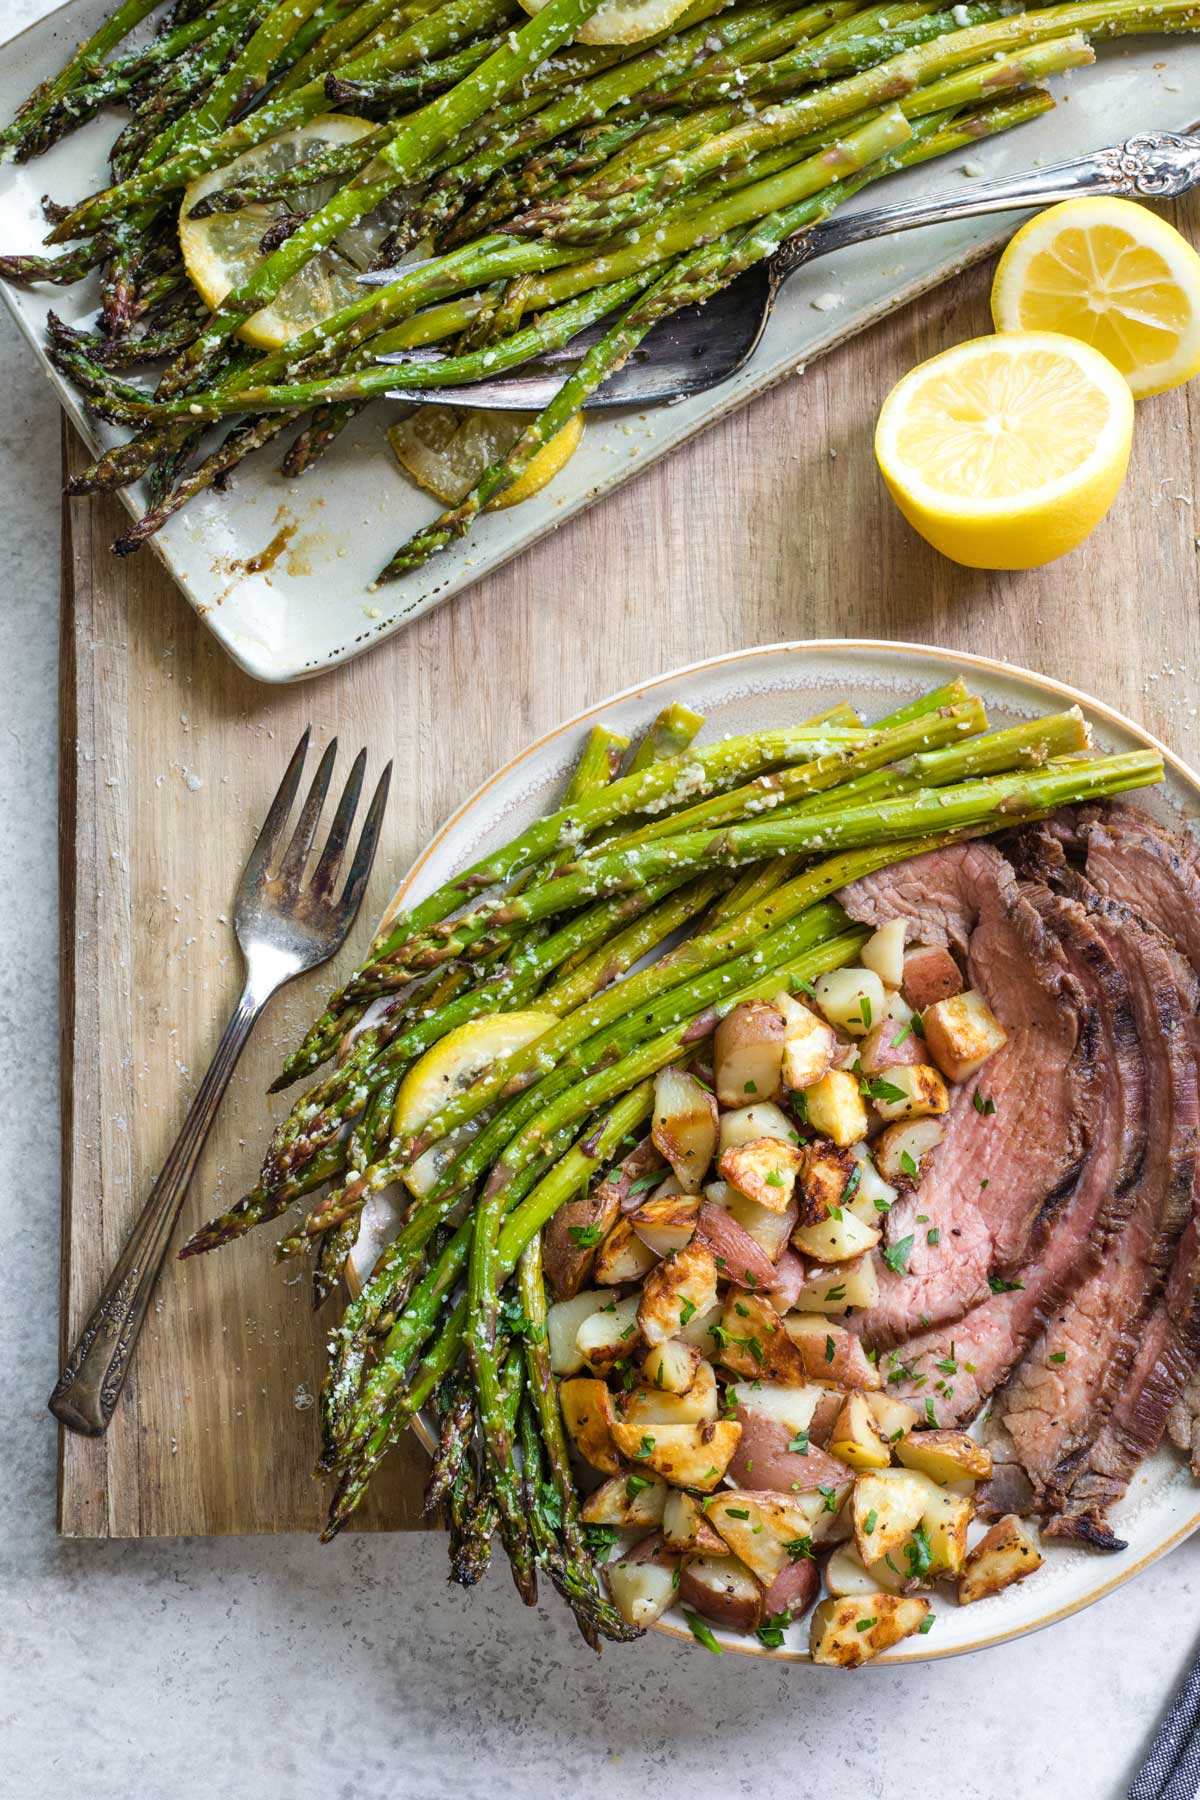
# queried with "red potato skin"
point(789, 1278)
point(930, 974)
point(568, 1264)
point(739, 1258)
point(793, 1590)
point(763, 1460)
point(648, 1549)
point(848, 1366)
point(879, 1052)
point(735, 1611)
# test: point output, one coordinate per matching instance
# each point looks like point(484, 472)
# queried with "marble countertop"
point(191, 1670)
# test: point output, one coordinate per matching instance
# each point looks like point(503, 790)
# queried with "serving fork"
point(286, 923)
point(701, 346)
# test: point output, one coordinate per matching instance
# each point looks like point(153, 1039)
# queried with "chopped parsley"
point(864, 1007)
point(829, 1347)
point(585, 1235)
point(901, 1035)
point(800, 1549)
point(600, 1538)
point(999, 1286)
point(897, 1256)
point(770, 1632)
point(736, 1512)
point(879, 1089)
point(702, 1634)
point(865, 1624)
point(926, 1624)
point(1058, 1356)
point(870, 1522)
point(686, 1310)
point(799, 1444)
point(751, 1087)
point(645, 1447)
point(908, 1165)
point(918, 1553)
point(634, 1484)
point(983, 1104)
point(933, 1237)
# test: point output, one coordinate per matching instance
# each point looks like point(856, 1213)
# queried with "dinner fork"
point(284, 925)
point(701, 346)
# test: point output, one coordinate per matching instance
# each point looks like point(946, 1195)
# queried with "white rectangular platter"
point(310, 605)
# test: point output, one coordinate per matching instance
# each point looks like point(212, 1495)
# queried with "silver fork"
point(284, 927)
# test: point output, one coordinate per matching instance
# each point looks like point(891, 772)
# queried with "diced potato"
point(831, 1353)
point(883, 952)
point(691, 1456)
point(921, 1093)
point(847, 1632)
point(626, 1500)
point(770, 1230)
point(666, 1222)
point(685, 1126)
point(748, 1053)
point(682, 1285)
point(946, 1456)
point(754, 1342)
point(672, 1366)
point(827, 1509)
point(699, 1327)
point(610, 1336)
point(895, 1418)
point(961, 1033)
point(846, 1573)
point(762, 1120)
point(856, 1439)
point(836, 1108)
point(667, 1186)
point(902, 1151)
point(1005, 1555)
point(945, 1521)
point(836, 1240)
point(888, 1504)
point(765, 1530)
point(723, 1590)
point(641, 1591)
point(562, 1328)
point(888, 1047)
point(852, 999)
point(685, 1528)
point(649, 1407)
point(793, 1408)
point(873, 1197)
point(622, 1257)
point(850, 1284)
point(808, 1043)
point(588, 1416)
point(570, 1238)
point(739, 1259)
point(930, 974)
point(792, 1592)
point(825, 1174)
point(764, 1170)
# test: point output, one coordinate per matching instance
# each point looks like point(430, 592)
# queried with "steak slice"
point(1053, 1411)
point(1133, 859)
point(955, 1369)
point(995, 1183)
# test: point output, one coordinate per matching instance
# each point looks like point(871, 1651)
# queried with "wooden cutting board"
point(772, 526)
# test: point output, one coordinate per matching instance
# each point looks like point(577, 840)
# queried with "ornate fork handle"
point(1156, 165)
point(92, 1378)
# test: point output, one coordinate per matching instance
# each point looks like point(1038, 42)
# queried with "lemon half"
point(1114, 275)
point(1005, 452)
point(446, 450)
point(221, 252)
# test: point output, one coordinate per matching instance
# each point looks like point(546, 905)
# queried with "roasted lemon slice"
point(221, 252)
point(1113, 275)
point(446, 450)
point(623, 21)
point(1005, 452)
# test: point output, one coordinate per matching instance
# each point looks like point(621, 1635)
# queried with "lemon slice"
point(458, 1059)
point(623, 21)
point(1113, 275)
point(220, 252)
point(1005, 452)
point(446, 450)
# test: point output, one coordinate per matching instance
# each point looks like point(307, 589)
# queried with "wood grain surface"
point(773, 525)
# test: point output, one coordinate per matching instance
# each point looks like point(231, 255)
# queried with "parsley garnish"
point(829, 1348)
point(1058, 1356)
point(799, 1444)
point(918, 1552)
point(865, 1624)
point(751, 1087)
point(870, 1522)
point(983, 1104)
point(770, 1632)
point(908, 1166)
point(926, 1624)
point(686, 1311)
point(881, 1090)
point(737, 1512)
point(635, 1483)
point(645, 1447)
point(702, 1634)
point(800, 1549)
point(585, 1235)
point(864, 1008)
point(897, 1257)
point(829, 1496)
point(999, 1286)
point(901, 1035)
point(934, 1236)
point(601, 1538)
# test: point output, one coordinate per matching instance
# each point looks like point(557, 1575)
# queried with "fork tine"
point(291, 869)
point(364, 855)
point(259, 859)
point(326, 872)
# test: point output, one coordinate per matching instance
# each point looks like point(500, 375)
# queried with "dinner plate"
point(280, 571)
point(766, 688)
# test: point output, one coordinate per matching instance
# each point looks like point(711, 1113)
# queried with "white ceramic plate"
point(311, 608)
point(770, 686)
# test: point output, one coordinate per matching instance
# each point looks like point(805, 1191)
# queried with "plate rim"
point(799, 646)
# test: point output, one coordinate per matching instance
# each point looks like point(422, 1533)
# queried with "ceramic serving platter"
point(281, 572)
point(769, 687)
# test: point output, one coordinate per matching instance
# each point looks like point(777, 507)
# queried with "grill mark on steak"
point(960, 1367)
point(995, 1184)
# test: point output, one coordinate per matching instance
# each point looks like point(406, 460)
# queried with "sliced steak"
point(1053, 1411)
point(955, 1369)
point(1133, 859)
point(995, 1183)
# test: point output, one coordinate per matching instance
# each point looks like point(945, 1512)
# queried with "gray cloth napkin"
point(1171, 1770)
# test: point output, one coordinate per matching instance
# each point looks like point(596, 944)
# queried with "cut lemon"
point(220, 252)
point(1114, 275)
point(623, 21)
point(1005, 452)
point(458, 1059)
point(446, 450)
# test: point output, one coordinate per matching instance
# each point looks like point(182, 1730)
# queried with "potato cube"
point(930, 974)
point(895, 1418)
point(765, 1530)
point(649, 1406)
point(691, 1456)
point(626, 1501)
point(671, 1366)
point(685, 1126)
point(846, 1573)
point(888, 1504)
point(770, 1230)
point(682, 1285)
point(914, 1092)
point(1005, 1555)
point(902, 1151)
point(961, 1033)
point(764, 1170)
point(723, 1590)
point(883, 952)
point(945, 1521)
point(808, 1044)
point(856, 1439)
point(852, 999)
point(562, 1327)
point(699, 1328)
point(610, 1336)
point(622, 1257)
point(762, 1120)
point(830, 1353)
point(755, 1343)
point(748, 1053)
point(587, 1412)
point(847, 1632)
point(824, 1176)
point(836, 1109)
point(872, 1197)
point(834, 1291)
point(666, 1222)
point(946, 1456)
point(685, 1528)
point(641, 1591)
point(836, 1240)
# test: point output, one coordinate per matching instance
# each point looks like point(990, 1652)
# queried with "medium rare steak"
point(1011, 1156)
point(955, 1369)
point(1133, 859)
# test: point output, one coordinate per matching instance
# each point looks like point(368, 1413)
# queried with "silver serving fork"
point(701, 346)
point(285, 925)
